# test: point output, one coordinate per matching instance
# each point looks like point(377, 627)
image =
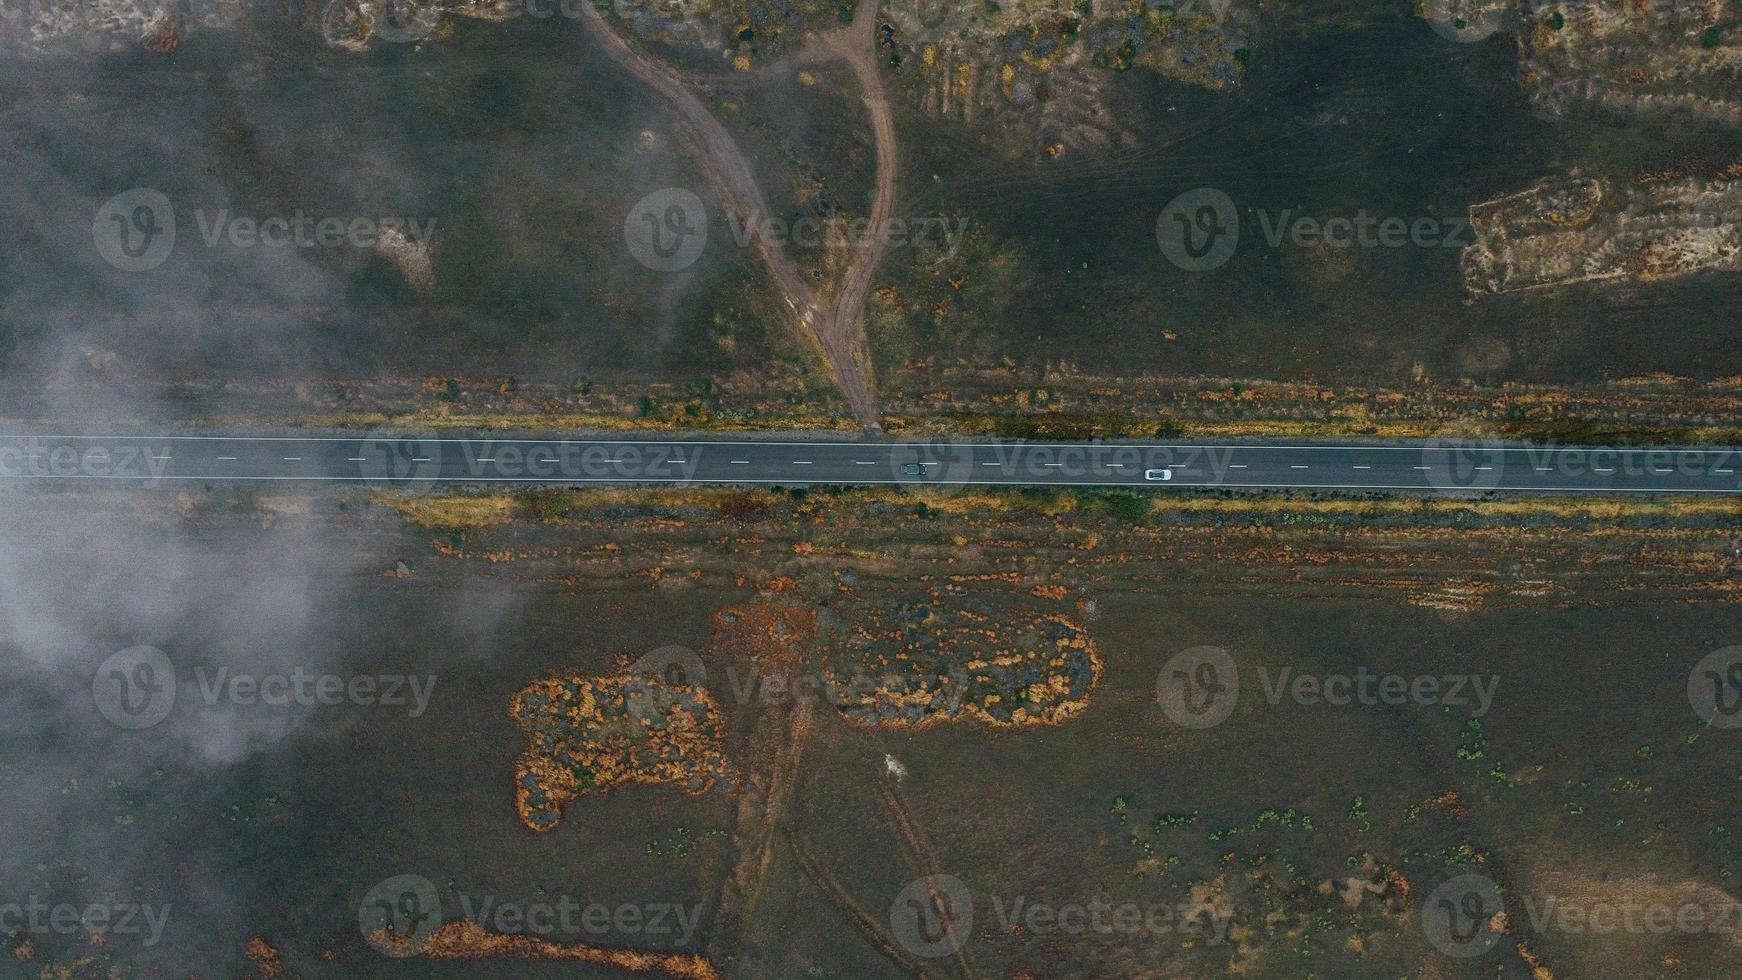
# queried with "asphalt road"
point(395, 460)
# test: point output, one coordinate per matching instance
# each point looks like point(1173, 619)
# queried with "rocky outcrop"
point(108, 25)
point(1042, 68)
point(1651, 59)
point(1587, 230)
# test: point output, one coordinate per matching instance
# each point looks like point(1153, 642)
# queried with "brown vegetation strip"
point(466, 940)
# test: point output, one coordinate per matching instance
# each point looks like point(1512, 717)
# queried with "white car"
point(1160, 475)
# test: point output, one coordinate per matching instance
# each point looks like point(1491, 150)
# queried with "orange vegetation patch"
point(466, 940)
point(1448, 804)
point(264, 960)
point(912, 664)
point(766, 634)
point(593, 733)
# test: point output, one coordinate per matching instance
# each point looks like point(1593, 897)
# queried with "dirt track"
point(856, 44)
point(837, 328)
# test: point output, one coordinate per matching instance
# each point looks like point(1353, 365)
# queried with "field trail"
point(835, 327)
